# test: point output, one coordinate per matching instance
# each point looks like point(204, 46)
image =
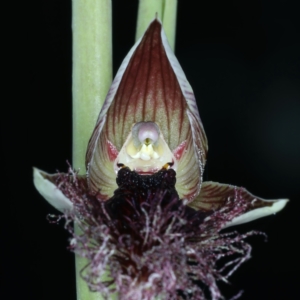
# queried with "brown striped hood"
point(149, 118)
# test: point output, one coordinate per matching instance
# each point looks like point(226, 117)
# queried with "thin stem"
point(92, 69)
point(92, 75)
point(165, 10)
point(169, 21)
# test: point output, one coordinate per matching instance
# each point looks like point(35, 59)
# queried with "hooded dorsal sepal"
point(149, 88)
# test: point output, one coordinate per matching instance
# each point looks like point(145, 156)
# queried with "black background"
point(242, 60)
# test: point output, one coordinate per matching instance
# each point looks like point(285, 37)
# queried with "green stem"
point(92, 75)
point(169, 21)
point(92, 69)
point(165, 10)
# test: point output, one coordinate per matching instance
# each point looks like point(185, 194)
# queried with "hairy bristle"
point(145, 242)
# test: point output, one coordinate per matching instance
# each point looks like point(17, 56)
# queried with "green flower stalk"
point(142, 212)
point(92, 75)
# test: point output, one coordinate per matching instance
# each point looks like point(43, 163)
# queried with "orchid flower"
point(143, 208)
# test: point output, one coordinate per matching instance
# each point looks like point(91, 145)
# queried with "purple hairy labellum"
point(145, 213)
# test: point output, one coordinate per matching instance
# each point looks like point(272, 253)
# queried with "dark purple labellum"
point(138, 195)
